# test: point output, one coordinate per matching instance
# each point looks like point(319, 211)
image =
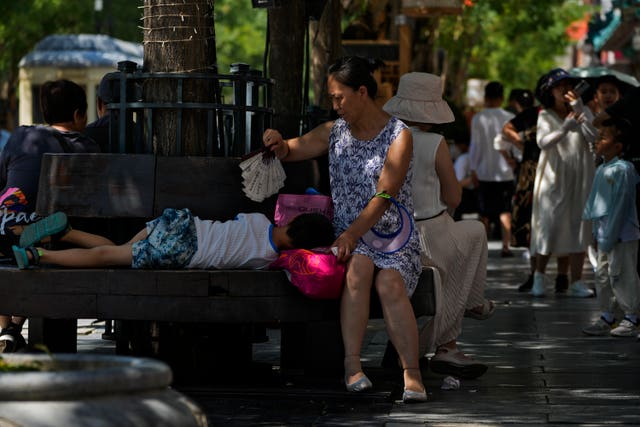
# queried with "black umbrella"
point(592, 74)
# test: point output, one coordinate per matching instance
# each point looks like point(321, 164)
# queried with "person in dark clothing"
point(627, 107)
point(64, 107)
point(105, 129)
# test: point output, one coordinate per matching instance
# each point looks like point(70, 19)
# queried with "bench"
point(111, 189)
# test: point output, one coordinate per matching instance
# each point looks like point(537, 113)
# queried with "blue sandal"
point(22, 257)
point(55, 225)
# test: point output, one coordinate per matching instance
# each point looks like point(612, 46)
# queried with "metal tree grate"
point(239, 110)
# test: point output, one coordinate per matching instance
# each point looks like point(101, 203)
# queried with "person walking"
point(489, 167)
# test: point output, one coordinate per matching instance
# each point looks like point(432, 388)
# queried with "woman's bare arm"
point(312, 144)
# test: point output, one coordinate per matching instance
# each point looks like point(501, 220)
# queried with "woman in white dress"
point(458, 250)
point(563, 180)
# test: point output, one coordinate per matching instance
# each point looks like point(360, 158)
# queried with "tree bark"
point(179, 38)
point(327, 47)
point(286, 63)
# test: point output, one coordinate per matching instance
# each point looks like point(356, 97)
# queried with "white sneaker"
point(580, 290)
point(626, 328)
point(539, 281)
point(598, 328)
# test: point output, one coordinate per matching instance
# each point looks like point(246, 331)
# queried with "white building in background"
point(81, 58)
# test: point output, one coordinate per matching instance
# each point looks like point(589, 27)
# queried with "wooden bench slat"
point(97, 185)
point(165, 291)
point(101, 185)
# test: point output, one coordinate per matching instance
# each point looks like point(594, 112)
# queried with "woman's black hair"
point(355, 71)
point(311, 230)
point(543, 94)
point(524, 97)
point(59, 99)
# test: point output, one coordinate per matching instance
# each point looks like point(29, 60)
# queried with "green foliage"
point(120, 19)
point(26, 22)
point(513, 41)
point(240, 34)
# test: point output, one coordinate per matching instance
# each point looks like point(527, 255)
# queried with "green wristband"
point(383, 194)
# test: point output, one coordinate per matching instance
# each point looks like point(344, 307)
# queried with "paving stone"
point(542, 371)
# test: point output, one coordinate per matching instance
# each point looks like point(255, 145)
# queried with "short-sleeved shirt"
point(244, 242)
point(20, 166)
point(487, 162)
point(177, 239)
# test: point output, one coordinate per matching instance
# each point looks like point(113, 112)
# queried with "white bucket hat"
point(419, 99)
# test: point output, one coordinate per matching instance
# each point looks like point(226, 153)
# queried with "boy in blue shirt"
point(611, 208)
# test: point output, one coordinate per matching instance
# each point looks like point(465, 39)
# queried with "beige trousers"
point(617, 278)
point(459, 252)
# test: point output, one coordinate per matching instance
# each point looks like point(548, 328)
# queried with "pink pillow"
point(316, 274)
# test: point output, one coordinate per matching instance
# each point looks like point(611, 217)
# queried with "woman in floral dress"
point(370, 153)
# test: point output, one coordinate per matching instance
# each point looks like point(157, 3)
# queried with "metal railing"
point(233, 128)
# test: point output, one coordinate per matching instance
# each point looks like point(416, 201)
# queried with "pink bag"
point(290, 206)
point(316, 274)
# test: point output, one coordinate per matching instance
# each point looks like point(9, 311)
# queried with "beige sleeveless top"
point(426, 185)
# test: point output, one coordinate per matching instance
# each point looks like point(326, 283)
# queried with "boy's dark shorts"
point(495, 197)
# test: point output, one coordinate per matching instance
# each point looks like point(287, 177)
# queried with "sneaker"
point(598, 328)
point(579, 290)
point(626, 328)
point(562, 283)
point(526, 286)
point(539, 279)
point(11, 341)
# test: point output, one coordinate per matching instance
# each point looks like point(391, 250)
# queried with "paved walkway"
point(543, 370)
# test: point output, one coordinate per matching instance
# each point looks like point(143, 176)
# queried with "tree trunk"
point(286, 30)
point(179, 38)
point(327, 47)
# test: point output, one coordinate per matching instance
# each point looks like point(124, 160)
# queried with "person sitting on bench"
point(177, 239)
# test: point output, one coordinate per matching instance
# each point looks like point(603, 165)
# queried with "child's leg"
point(99, 256)
point(541, 262)
point(85, 240)
point(604, 290)
point(142, 234)
point(89, 240)
point(624, 276)
point(576, 263)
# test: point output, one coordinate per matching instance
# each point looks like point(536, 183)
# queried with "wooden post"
point(286, 32)
point(325, 34)
point(405, 44)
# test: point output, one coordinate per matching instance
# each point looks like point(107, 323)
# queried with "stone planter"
point(76, 390)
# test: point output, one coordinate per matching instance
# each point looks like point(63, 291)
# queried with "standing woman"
point(562, 184)
point(370, 153)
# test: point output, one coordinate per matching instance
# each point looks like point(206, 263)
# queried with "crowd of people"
point(553, 178)
point(576, 193)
